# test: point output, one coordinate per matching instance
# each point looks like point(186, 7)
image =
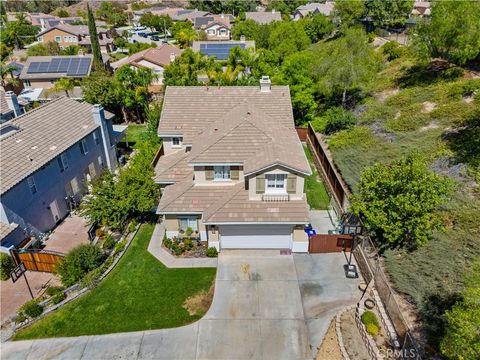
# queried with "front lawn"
point(317, 196)
point(139, 294)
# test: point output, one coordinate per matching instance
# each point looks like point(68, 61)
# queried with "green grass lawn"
point(139, 294)
point(135, 134)
point(317, 196)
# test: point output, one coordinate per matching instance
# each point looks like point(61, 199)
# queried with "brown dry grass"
point(199, 303)
point(330, 350)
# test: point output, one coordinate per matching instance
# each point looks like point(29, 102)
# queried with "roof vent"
point(35, 147)
point(265, 84)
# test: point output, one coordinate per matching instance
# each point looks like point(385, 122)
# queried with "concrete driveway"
point(266, 306)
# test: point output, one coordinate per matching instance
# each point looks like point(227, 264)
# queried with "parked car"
point(155, 38)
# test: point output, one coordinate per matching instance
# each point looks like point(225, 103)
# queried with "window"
point(187, 222)
point(63, 162)
point(95, 138)
point(31, 184)
point(221, 173)
point(58, 39)
point(275, 182)
point(176, 142)
point(66, 38)
point(83, 147)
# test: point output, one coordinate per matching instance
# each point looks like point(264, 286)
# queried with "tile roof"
point(6, 229)
point(42, 135)
point(25, 75)
point(325, 9)
point(159, 56)
point(4, 108)
point(263, 17)
point(173, 168)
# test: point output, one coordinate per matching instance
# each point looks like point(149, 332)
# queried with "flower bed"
point(186, 247)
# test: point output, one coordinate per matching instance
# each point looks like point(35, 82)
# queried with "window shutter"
point(234, 173)
point(291, 184)
point(260, 186)
point(208, 172)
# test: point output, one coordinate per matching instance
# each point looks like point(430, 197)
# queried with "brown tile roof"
point(43, 134)
point(159, 56)
point(263, 17)
point(6, 229)
point(173, 167)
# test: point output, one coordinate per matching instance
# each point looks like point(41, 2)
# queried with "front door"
point(55, 211)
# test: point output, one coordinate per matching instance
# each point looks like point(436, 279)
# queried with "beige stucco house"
point(233, 168)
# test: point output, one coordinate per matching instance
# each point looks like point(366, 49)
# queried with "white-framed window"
point(211, 32)
point(95, 138)
point(221, 173)
point(32, 185)
point(176, 142)
point(83, 147)
point(58, 39)
point(63, 162)
point(100, 161)
point(188, 222)
point(223, 32)
point(275, 183)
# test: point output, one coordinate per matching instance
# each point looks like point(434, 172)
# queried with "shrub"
point(337, 119)
point(119, 246)
point(31, 308)
point(89, 279)
point(372, 329)
point(109, 243)
point(369, 317)
point(393, 50)
point(53, 290)
point(189, 231)
point(20, 318)
point(177, 249)
point(167, 242)
point(132, 225)
point(6, 266)
point(99, 233)
point(212, 252)
point(58, 298)
point(188, 244)
point(78, 262)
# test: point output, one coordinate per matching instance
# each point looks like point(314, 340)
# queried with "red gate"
point(323, 243)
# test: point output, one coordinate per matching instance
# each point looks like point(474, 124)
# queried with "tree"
point(100, 88)
point(397, 202)
point(252, 31)
point(50, 48)
point(112, 13)
point(184, 33)
point(227, 6)
point(452, 32)
point(159, 23)
point(18, 33)
point(185, 69)
point(92, 30)
point(287, 38)
point(78, 262)
point(61, 12)
point(344, 64)
point(348, 12)
point(317, 27)
point(6, 74)
point(287, 8)
point(64, 84)
point(337, 118)
point(462, 338)
point(388, 12)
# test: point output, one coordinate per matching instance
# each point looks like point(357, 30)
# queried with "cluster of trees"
point(52, 48)
point(15, 34)
point(113, 13)
point(234, 7)
point(38, 5)
point(157, 22)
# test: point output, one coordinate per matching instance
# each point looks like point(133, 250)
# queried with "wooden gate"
point(37, 260)
point(329, 243)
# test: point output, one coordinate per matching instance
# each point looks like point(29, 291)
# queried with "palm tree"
point(63, 84)
point(6, 70)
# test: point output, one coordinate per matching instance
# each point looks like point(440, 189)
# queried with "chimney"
point(172, 57)
point(242, 38)
point(106, 130)
point(265, 84)
point(12, 103)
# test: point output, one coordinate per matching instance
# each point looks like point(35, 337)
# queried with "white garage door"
point(255, 237)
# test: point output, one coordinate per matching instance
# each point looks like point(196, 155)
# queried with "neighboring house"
point(263, 17)
point(217, 31)
point(11, 235)
point(202, 21)
point(153, 58)
point(66, 35)
point(47, 156)
point(421, 8)
point(10, 107)
point(313, 8)
point(172, 12)
point(233, 168)
point(188, 15)
point(44, 71)
point(220, 49)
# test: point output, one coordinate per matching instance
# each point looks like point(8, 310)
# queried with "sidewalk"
point(155, 248)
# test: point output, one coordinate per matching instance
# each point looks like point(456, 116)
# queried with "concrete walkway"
point(155, 248)
point(266, 306)
point(321, 220)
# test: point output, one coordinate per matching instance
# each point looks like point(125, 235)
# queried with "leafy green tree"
point(18, 33)
point(287, 38)
point(348, 12)
point(50, 48)
point(92, 30)
point(388, 12)
point(317, 27)
point(462, 338)
point(452, 32)
point(100, 88)
point(184, 33)
point(64, 84)
point(344, 64)
point(6, 74)
point(224, 6)
point(397, 202)
point(159, 23)
point(185, 69)
point(333, 120)
point(152, 115)
point(112, 13)
point(252, 31)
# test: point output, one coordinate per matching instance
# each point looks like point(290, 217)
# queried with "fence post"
point(33, 260)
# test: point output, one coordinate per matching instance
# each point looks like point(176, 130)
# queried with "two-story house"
point(233, 168)
point(47, 155)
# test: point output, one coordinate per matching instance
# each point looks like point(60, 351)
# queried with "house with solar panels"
point(220, 49)
point(43, 71)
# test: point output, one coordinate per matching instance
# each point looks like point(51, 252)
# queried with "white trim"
point(203, 236)
point(300, 246)
point(214, 164)
point(277, 164)
point(170, 135)
point(179, 212)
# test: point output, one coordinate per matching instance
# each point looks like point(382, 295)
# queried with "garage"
point(256, 236)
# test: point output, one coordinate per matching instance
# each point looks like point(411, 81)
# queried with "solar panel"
point(70, 66)
point(33, 68)
point(64, 64)
point(43, 67)
point(54, 64)
point(219, 50)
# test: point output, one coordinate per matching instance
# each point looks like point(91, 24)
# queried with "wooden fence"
point(322, 243)
point(37, 260)
point(302, 133)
